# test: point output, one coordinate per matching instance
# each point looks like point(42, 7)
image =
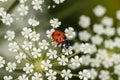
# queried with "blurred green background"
point(68, 13)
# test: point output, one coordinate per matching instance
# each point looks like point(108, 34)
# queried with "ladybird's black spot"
point(59, 34)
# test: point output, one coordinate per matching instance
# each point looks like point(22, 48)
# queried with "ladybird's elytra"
point(60, 38)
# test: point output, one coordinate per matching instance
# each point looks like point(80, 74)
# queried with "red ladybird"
point(60, 38)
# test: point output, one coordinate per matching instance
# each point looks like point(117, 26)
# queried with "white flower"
point(102, 54)
point(23, 10)
point(26, 31)
point(36, 53)
point(107, 21)
point(84, 35)
point(86, 48)
point(109, 44)
point(55, 22)
point(70, 33)
point(117, 42)
point(96, 62)
point(28, 68)
point(22, 1)
point(13, 46)
point(23, 77)
point(51, 75)
point(2, 11)
point(46, 65)
point(7, 19)
point(58, 1)
point(52, 54)
point(109, 31)
point(107, 62)
point(97, 40)
point(11, 66)
point(76, 61)
point(10, 35)
point(76, 47)
point(8, 77)
point(20, 56)
point(104, 75)
point(33, 22)
point(37, 4)
point(84, 75)
point(98, 28)
point(27, 45)
point(44, 44)
point(117, 69)
point(99, 10)
point(86, 60)
point(49, 33)
point(62, 60)
point(3, 0)
point(118, 31)
point(67, 51)
point(2, 62)
point(66, 74)
point(37, 76)
point(93, 73)
point(118, 14)
point(34, 36)
point(116, 58)
point(84, 21)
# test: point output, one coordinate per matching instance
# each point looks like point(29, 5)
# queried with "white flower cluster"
point(38, 56)
point(6, 18)
point(100, 47)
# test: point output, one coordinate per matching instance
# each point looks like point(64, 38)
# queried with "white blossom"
point(33, 22)
point(104, 75)
point(84, 35)
point(62, 60)
point(52, 54)
point(58, 1)
point(26, 31)
point(70, 33)
point(97, 40)
point(118, 14)
point(44, 44)
point(13, 46)
point(2, 62)
point(34, 36)
point(51, 75)
point(27, 45)
point(3, 0)
point(23, 77)
point(99, 10)
point(109, 31)
point(37, 4)
point(66, 74)
point(109, 44)
point(23, 10)
point(55, 22)
point(93, 73)
point(107, 21)
point(98, 29)
point(20, 57)
point(84, 75)
point(8, 77)
point(28, 68)
point(7, 19)
point(86, 60)
point(36, 52)
point(67, 51)
point(2, 11)
point(46, 65)
point(37, 76)
point(84, 21)
point(49, 33)
point(10, 66)
point(10, 35)
point(22, 1)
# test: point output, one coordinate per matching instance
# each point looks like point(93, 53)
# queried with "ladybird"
point(60, 37)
